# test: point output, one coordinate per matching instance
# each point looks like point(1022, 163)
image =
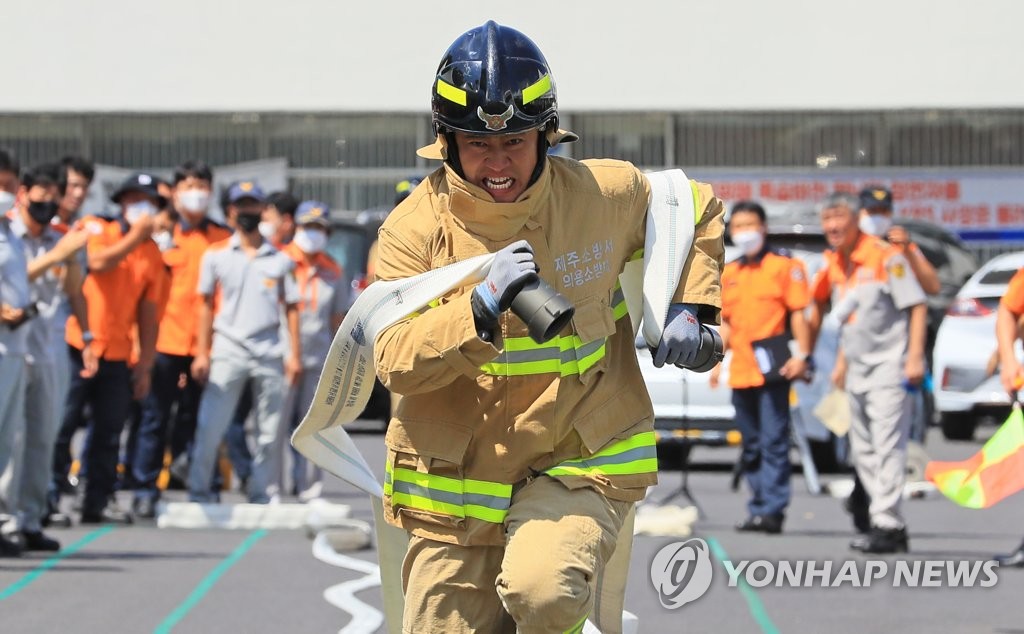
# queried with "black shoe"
point(37, 540)
point(882, 541)
point(11, 545)
point(57, 519)
point(110, 514)
point(144, 508)
point(859, 510)
point(771, 524)
point(1013, 560)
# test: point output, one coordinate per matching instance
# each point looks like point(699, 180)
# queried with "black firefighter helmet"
point(493, 80)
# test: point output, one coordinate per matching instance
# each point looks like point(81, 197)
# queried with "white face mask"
point(134, 211)
point(194, 201)
point(875, 224)
point(6, 201)
point(267, 230)
point(750, 242)
point(164, 240)
point(310, 240)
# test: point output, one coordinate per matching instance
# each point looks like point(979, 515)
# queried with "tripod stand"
point(679, 439)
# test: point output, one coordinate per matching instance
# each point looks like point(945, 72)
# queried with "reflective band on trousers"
point(564, 355)
point(489, 501)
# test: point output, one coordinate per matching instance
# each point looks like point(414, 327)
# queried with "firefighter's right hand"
point(512, 268)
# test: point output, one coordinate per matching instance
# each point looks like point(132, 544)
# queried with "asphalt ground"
point(146, 579)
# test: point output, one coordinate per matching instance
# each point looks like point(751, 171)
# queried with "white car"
point(686, 406)
point(966, 388)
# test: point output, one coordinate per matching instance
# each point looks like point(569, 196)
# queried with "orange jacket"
point(113, 296)
point(1013, 299)
point(179, 324)
point(758, 294)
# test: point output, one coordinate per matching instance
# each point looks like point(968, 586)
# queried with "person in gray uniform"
point(53, 272)
point(324, 299)
point(881, 306)
point(242, 344)
point(15, 311)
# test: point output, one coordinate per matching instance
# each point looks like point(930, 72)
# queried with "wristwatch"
point(87, 337)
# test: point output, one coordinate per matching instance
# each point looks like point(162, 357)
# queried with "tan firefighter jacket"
point(477, 418)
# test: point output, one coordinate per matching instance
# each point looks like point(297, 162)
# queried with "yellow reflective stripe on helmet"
point(698, 213)
point(479, 499)
point(537, 89)
point(451, 93)
point(634, 455)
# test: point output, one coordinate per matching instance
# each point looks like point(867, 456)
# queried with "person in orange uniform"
point(323, 301)
point(176, 343)
point(1008, 328)
point(122, 289)
point(764, 294)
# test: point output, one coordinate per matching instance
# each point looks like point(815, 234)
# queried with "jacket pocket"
point(593, 323)
point(425, 472)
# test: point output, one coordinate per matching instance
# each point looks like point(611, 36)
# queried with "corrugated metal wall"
point(353, 160)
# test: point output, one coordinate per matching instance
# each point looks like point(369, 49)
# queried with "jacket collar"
point(861, 249)
point(475, 210)
point(757, 257)
point(265, 247)
point(321, 261)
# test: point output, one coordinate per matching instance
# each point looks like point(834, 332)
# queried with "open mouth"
point(498, 184)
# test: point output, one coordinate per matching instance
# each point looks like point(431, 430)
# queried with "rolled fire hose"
point(348, 374)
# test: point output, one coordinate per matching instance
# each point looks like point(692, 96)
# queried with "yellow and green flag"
point(995, 472)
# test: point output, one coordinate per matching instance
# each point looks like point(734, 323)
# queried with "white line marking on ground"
point(366, 619)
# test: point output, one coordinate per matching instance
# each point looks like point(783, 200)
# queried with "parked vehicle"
point(968, 388)
point(685, 406)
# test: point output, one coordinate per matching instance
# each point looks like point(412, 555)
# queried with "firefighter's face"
point(501, 164)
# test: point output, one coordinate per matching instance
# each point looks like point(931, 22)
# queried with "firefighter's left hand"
point(681, 338)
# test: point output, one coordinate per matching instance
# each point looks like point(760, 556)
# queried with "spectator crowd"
point(145, 348)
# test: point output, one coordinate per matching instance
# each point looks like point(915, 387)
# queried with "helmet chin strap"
point(542, 156)
point(453, 152)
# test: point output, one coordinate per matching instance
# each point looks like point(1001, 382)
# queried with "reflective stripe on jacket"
point(489, 501)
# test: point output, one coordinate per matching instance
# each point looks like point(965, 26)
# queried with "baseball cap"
point(246, 189)
point(140, 182)
point(875, 197)
point(313, 212)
